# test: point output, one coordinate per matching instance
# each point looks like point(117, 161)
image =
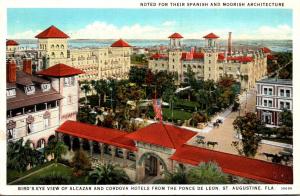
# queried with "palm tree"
point(108, 174)
point(178, 177)
point(86, 88)
point(207, 173)
point(57, 149)
point(100, 87)
point(20, 156)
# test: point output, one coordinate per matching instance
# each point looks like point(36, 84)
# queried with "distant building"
point(97, 63)
point(273, 95)
point(211, 63)
point(38, 103)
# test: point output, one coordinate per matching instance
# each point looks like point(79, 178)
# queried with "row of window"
point(282, 92)
point(11, 133)
point(282, 104)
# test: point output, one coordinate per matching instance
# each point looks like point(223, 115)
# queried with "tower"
point(64, 80)
point(52, 46)
point(211, 41)
point(211, 71)
point(175, 41)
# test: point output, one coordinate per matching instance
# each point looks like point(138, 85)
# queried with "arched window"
point(57, 46)
point(53, 54)
point(61, 54)
point(52, 46)
point(62, 46)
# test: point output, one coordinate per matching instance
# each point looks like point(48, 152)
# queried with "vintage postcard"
point(149, 97)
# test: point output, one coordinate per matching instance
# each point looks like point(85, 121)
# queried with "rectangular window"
point(288, 93)
point(288, 105)
point(281, 92)
point(270, 103)
point(69, 81)
point(270, 91)
point(281, 105)
point(265, 103)
point(265, 91)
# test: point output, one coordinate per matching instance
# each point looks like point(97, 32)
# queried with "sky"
point(24, 23)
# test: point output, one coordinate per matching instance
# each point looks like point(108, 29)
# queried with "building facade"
point(97, 63)
point(211, 63)
point(273, 96)
point(37, 104)
point(157, 148)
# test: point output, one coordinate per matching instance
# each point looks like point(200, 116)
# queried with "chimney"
point(27, 67)
point(229, 43)
point(11, 71)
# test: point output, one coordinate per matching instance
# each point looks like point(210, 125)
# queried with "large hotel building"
point(246, 66)
point(97, 63)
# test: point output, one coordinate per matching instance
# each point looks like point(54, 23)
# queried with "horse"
point(268, 155)
point(211, 143)
point(200, 141)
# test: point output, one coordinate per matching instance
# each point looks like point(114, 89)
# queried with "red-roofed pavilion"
point(161, 146)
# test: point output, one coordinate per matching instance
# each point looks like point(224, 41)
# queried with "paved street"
point(225, 134)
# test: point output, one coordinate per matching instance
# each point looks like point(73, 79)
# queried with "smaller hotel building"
point(273, 96)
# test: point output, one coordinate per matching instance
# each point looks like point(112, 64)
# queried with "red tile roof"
point(241, 59)
point(120, 43)
point(175, 36)
point(195, 55)
point(211, 36)
point(236, 165)
point(99, 134)
point(271, 57)
point(11, 43)
point(60, 70)
point(52, 32)
point(221, 57)
point(158, 56)
point(266, 50)
point(161, 134)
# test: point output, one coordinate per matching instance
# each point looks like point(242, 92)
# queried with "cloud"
point(168, 23)
point(104, 30)
point(29, 34)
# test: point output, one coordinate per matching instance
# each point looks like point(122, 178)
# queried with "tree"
point(20, 156)
point(86, 88)
point(108, 174)
point(249, 126)
point(207, 173)
point(286, 118)
point(137, 74)
point(286, 124)
point(81, 162)
point(100, 87)
point(177, 177)
point(56, 148)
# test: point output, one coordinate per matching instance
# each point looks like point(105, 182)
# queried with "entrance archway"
point(150, 165)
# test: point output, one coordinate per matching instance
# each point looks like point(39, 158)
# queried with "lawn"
point(13, 174)
point(59, 168)
point(177, 114)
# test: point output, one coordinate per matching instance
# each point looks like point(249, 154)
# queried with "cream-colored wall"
point(39, 130)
